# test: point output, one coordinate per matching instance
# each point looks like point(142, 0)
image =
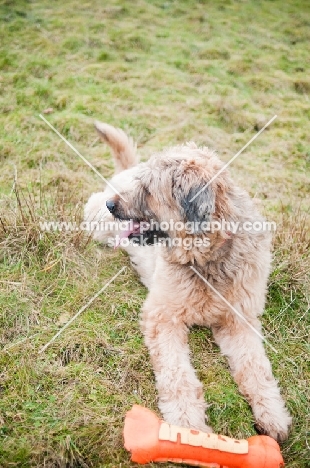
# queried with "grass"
point(165, 71)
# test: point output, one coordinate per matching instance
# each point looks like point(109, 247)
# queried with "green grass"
point(166, 72)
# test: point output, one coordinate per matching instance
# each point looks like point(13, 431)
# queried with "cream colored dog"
point(221, 277)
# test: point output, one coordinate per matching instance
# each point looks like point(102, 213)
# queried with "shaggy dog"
point(219, 282)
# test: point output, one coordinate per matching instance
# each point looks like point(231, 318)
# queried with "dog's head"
point(178, 193)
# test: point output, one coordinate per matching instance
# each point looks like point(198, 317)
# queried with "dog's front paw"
point(274, 422)
point(185, 413)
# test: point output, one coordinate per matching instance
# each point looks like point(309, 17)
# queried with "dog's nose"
point(110, 205)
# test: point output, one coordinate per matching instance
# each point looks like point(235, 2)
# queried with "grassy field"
point(165, 71)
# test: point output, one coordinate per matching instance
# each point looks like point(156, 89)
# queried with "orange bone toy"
point(149, 439)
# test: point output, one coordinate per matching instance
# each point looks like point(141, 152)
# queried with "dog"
point(219, 282)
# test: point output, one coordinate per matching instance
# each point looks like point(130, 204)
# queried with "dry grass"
point(166, 72)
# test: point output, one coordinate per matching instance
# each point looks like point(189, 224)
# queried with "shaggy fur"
point(237, 265)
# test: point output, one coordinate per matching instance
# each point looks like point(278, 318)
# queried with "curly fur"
point(237, 265)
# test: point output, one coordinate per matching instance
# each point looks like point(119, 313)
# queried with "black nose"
point(110, 205)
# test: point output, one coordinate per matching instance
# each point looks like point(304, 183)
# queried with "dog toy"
point(149, 439)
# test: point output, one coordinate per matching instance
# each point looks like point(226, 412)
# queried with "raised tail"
point(123, 148)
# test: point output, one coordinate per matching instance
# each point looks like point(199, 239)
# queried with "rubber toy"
point(149, 439)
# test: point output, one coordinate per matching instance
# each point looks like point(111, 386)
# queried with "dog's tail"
point(123, 148)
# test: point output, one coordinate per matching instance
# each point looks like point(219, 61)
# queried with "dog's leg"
point(252, 371)
point(181, 398)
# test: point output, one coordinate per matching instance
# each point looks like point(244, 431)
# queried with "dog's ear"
point(195, 197)
point(198, 203)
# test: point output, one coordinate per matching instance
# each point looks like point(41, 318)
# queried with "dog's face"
point(182, 185)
